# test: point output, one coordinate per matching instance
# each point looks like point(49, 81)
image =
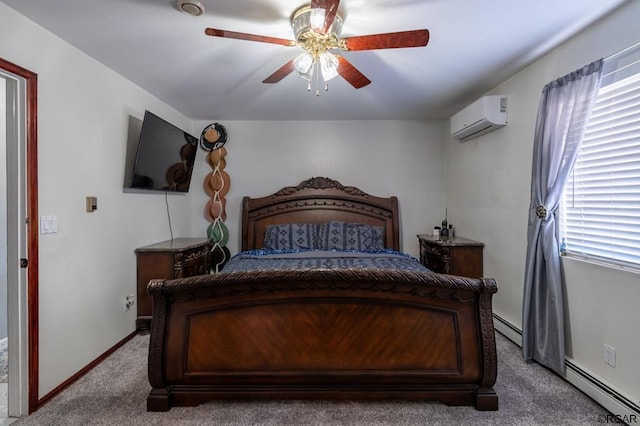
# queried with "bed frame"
point(319, 333)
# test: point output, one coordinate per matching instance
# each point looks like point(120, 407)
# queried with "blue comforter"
point(314, 259)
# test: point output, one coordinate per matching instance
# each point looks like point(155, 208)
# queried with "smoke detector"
point(191, 7)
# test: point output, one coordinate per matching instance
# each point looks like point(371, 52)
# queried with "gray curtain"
point(563, 112)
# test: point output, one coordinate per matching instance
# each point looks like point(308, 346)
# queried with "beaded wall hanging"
point(216, 185)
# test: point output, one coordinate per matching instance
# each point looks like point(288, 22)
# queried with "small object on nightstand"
point(445, 227)
point(436, 232)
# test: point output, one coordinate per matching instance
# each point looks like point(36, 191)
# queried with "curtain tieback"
point(541, 212)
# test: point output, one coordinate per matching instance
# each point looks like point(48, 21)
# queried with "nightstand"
point(453, 256)
point(177, 258)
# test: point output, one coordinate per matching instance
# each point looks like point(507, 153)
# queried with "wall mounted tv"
point(164, 158)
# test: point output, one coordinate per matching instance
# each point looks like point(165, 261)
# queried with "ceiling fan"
point(317, 27)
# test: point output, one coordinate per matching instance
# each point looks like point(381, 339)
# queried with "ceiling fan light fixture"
point(328, 66)
point(301, 22)
point(191, 7)
point(316, 19)
point(317, 31)
point(304, 65)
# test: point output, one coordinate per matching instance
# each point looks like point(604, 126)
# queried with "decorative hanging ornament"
point(217, 182)
point(218, 233)
point(215, 159)
point(213, 137)
point(216, 185)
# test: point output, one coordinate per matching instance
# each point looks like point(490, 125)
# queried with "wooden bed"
point(322, 333)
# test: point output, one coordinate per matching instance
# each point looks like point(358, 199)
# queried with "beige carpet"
point(115, 392)
point(4, 366)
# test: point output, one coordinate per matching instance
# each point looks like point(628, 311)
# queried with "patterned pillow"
point(337, 235)
point(378, 237)
point(291, 236)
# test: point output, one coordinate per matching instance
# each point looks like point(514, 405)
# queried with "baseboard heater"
point(614, 401)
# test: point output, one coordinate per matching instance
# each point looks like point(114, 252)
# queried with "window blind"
point(600, 208)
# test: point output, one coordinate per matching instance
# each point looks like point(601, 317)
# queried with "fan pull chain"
point(317, 78)
point(317, 75)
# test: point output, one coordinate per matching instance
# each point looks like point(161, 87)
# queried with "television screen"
point(165, 156)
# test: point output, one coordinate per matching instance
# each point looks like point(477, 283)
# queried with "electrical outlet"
point(609, 355)
point(129, 301)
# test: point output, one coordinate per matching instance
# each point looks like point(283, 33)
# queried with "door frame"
point(30, 191)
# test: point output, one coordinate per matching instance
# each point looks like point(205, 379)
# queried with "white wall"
point(88, 267)
point(402, 158)
point(488, 186)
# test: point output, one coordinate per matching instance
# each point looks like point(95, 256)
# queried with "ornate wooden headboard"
point(318, 200)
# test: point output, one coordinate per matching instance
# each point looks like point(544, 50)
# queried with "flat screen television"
point(164, 158)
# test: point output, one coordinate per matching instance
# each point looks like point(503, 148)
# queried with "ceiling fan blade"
point(414, 38)
point(281, 73)
point(251, 37)
point(351, 73)
point(330, 9)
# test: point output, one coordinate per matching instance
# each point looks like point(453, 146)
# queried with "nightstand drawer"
point(192, 262)
point(432, 250)
point(454, 256)
point(433, 262)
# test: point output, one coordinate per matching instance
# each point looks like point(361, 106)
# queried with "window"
point(600, 207)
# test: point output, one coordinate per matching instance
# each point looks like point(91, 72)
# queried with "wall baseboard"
point(620, 405)
point(83, 371)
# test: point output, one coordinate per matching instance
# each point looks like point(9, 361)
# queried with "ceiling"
point(474, 45)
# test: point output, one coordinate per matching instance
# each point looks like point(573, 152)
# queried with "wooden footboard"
point(322, 334)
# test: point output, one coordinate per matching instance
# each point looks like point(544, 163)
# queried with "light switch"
point(48, 224)
point(44, 225)
point(92, 204)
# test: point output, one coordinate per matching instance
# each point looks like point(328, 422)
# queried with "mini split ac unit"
point(485, 115)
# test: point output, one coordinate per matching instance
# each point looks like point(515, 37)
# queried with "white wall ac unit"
point(485, 115)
